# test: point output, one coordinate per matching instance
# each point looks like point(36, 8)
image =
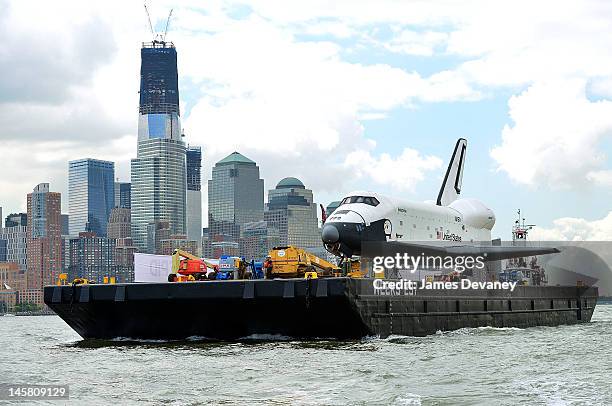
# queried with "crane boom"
point(149, 20)
point(319, 263)
point(167, 24)
point(178, 254)
point(290, 262)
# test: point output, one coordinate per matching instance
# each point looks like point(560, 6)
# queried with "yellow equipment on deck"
point(62, 279)
point(353, 269)
point(109, 280)
point(293, 262)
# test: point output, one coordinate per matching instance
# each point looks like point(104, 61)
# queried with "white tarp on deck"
point(152, 268)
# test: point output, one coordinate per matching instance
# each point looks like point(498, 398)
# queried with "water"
point(564, 365)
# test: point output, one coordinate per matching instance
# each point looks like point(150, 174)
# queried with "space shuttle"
point(451, 226)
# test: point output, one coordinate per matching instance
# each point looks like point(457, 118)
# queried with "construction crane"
point(156, 36)
point(167, 24)
point(149, 20)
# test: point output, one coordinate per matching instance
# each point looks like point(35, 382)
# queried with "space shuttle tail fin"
point(451, 187)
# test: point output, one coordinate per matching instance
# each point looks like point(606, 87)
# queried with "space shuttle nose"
point(330, 234)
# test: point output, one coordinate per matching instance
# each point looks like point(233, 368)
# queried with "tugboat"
point(524, 270)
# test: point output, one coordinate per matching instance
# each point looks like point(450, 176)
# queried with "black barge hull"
point(340, 308)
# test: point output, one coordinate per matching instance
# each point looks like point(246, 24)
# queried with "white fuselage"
point(465, 220)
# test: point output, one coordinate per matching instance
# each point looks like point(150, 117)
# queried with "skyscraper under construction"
point(159, 171)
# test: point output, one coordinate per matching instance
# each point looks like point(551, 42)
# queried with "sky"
point(344, 95)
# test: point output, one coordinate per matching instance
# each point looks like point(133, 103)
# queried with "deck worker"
point(267, 265)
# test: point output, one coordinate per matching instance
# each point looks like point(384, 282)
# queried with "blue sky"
point(349, 95)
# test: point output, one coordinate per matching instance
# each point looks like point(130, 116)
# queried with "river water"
point(564, 365)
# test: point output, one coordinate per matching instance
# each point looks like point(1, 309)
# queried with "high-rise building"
point(15, 234)
point(16, 219)
point(113, 254)
point(91, 257)
point(179, 242)
point(11, 275)
point(124, 260)
point(91, 195)
point(194, 193)
point(332, 207)
point(291, 210)
point(123, 195)
point(207, 251)
point(119, 223)
point(11, 283)
point(257, 240)
point(3, 249)
point(44, 240)
point(235, 196)
point(159, 171)
point(157, 231)
point(66, 252)
point(65, 224)
point(229, 248)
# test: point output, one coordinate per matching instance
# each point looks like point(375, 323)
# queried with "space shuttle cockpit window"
point(371, 201)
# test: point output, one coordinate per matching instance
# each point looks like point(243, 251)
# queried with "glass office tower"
point(15, 235)
point(123, 195)
point(292, 211)
point(91, 195)
point(159, 181)
point(235, 196)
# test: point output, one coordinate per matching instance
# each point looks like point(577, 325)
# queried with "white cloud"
point(68, 91)
point(555, 137)
point(47, 161)
point(602, 178)
point(401, 173)
point(416, 43)
point(551, 48)
point(257, 87)
point(575, 229)
point(533, 41)
point(296, 107)
point(601, 86)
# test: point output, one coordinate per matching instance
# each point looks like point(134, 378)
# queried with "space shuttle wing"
point(490, 253)
point(493, 253)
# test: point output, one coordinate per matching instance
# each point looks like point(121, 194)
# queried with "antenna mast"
point(520, 229)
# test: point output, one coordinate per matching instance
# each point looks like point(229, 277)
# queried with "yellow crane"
point(293, 262)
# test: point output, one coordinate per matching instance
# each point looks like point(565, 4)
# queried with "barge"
point(324, 308)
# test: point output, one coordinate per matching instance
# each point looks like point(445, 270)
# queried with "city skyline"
point(373, 99)
point(377, 191)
